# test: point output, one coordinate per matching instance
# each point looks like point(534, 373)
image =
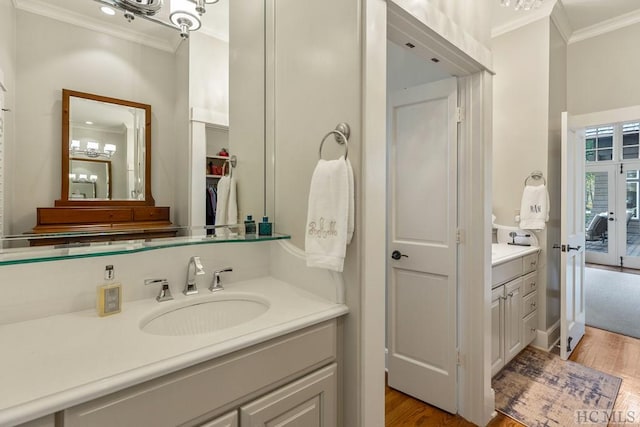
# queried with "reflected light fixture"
point(108, 10)
point(200, 5)
point(522, 4)
point(92, 150)
point(183, 16)
point(93, 178)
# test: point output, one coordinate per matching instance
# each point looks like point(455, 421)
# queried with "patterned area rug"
point(539, 389)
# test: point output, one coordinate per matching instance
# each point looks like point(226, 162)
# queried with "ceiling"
point(581, 13)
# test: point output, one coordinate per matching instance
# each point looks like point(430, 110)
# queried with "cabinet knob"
point(510, 294)
point(533, 304)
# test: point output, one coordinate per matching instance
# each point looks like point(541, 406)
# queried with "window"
point(599, 144)
point(631, 140)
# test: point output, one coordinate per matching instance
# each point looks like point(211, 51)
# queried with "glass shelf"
point(16, 249)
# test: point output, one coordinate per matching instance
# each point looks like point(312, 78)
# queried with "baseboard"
point(546, 340)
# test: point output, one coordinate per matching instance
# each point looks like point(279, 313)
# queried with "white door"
point(422, 239)
point(628, 218)
point(572, 309)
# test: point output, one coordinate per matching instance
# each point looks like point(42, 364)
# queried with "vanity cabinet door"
point(228, 420)
point(308, 402)
point(513, 319)
point(497, 330)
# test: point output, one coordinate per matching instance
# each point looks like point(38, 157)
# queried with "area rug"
point(612, 300)
point(539, 389)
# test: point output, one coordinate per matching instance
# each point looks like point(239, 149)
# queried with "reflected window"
point(633, 184)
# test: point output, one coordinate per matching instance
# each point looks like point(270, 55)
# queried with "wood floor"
point(608, 352)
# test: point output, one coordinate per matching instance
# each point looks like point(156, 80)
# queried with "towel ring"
point(341, 133)
point(536, 176)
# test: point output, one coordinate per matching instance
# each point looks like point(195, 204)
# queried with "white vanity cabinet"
point(290, 379)
point(513, 308)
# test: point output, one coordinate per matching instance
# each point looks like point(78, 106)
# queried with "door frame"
point(411, 21)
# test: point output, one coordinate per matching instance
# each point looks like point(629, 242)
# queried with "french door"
point(612, 231)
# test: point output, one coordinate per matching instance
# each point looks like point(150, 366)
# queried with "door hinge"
point(621, 168)
point(459, 358)
point(459, 114)
point(459, 236)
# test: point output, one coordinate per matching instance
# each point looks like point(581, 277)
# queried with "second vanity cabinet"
point(513, 308)
point(289, 381)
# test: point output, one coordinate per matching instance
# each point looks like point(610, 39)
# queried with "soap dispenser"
point(249, 226)
point(265, 228)
point(109, 298)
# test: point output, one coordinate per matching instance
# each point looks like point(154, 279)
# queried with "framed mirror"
point(106, 151)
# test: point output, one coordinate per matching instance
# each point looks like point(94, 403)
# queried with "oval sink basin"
point(201, 317)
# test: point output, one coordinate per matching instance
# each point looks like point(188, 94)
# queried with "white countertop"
point(502, 252)
point(53, 363)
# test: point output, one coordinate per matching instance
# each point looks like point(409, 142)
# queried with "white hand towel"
point(351, 219)
point(232, 207)
point(328, 215)
point(534, 208)
point(222, 204)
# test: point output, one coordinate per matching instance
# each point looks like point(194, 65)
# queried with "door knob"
point(571, 248)
point(397, 255)
point(610, 219)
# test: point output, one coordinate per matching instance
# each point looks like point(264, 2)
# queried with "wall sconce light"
point(200, 5)
point(183, 16)
point(92, 150)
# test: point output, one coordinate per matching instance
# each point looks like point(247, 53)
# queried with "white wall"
point(209, 73)
point(520, 121)
point(603, 71)
point(52, 55)
point(474, 16)
point(526, 98)
point(8, 66)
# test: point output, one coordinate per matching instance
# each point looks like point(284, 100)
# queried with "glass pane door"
point(599, 214)
point(630, 231)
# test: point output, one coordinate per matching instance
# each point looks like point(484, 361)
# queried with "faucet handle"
point(215, 284)
point(165, 292)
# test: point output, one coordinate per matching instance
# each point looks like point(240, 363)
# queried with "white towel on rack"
point(232, 205)
point(351, 219)
point(534, 207)
point(222, 204)
point(227, 204)
point(328, 215)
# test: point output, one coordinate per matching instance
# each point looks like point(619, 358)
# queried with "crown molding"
point(607, 26)
point(48, 10)
point(527, 18)
point(561, 20)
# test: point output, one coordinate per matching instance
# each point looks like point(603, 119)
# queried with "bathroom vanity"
point(514, 297)
point(277, 364)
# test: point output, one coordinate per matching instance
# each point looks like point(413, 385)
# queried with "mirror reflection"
point(106, 147)
point(185, 80)
point(89, 179)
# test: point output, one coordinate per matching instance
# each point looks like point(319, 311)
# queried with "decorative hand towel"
point(351, 219)
point(534, 208)
point(222, 204)
point(328, 215)
point(232, 206)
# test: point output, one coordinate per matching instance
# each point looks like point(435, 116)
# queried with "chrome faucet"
point(215, 284)
point(165, 292)
point(190, 287)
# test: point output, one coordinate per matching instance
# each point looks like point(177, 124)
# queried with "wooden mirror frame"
point(64, 177)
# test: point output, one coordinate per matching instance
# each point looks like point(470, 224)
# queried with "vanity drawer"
point(530, 325)
point(529, 263)
point(504, 272)
point(57, 215)
point(529, 303)
point(530, 283)
point(150, 213)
